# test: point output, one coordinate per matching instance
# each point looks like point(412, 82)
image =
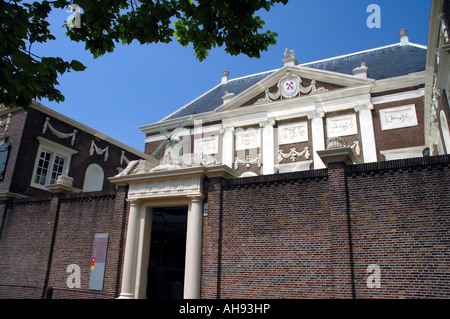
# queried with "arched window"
point(93, 178)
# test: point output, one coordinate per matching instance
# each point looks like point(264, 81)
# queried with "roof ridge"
point(251, 75)
point(333, 58)
point(364, 51)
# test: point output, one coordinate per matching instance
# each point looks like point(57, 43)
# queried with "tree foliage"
point(204, 24)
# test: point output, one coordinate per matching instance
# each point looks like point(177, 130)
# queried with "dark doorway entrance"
point(167, 253)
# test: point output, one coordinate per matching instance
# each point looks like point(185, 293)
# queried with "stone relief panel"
point(398, 117)
point(207, 145)
point(165, 187)
point(342, 126)
point(293, 133)
point(247, 139)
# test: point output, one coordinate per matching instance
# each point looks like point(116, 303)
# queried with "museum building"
point(299, 182)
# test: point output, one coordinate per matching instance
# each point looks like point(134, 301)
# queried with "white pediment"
point(292, 82)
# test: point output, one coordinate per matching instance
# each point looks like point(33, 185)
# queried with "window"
point(58, 168)
point(52, 160)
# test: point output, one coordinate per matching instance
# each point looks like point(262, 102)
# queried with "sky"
point(138, 84)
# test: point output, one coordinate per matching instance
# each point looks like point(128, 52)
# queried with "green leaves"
point(77, 66)
point(25, 76)
point(204, 24)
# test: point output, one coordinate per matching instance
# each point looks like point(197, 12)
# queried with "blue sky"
point(141, 84)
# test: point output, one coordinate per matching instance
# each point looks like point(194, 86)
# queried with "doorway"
point(167, 253)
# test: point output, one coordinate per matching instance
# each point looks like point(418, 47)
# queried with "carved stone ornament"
point(248, 162)
point(99, 151)
point(293, 154)
point(136, 167)
point(338, 142)
point(58, 133)
point(289, 86)
point(166, 187)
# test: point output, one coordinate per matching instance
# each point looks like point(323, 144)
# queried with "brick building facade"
point(326, 179)
point(35, 212)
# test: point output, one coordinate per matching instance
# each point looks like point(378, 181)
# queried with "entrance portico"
point(150, 189)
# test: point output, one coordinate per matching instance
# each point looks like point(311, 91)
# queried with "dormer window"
point(52, 160)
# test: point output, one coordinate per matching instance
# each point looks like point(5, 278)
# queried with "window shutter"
point(4, 152)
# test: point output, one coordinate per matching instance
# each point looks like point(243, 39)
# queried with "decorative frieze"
point(398, 117)
point(293, 154)
point(207, 145)
point(247, 139)
point(248, 161)
point(165, 187)
point(293, 133)
point(342, 125)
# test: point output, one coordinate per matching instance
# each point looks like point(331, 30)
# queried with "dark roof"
point(213, 99)
point(385, 62)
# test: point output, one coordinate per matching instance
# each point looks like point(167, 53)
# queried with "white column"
point(228, 146)
point(143, 251)
point(318, 137)
point(129, 266)
point(268, 146)
point(367, 134)
point(192, 275)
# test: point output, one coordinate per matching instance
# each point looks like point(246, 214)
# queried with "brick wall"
point(309, 234)
point(30, 243)
point(14, 134)
point(400, 137)
point(401, 222)
point(27, 230)
point(288, 236)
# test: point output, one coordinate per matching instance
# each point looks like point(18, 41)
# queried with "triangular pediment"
point(291, 83)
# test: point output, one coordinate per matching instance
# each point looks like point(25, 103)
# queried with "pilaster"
point(129, 266)
point(367, 132)
point(194, 234)
point(228, 146)
point(268, 146)
point(318, 138)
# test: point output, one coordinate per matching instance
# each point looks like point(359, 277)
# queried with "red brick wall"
point(24, 248)
point(14, 134)
point(268, 237)
point(275, 236)
point(26, 242)
point(401, 222)
point(288, 236)
point(400, 137)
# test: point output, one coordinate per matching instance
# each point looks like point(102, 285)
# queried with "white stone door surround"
point(170, 188)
